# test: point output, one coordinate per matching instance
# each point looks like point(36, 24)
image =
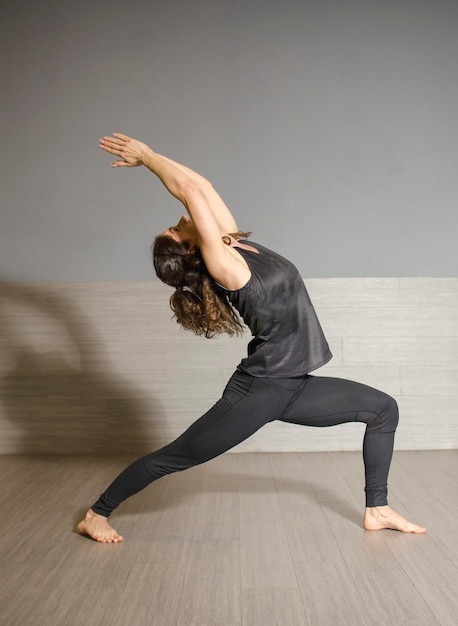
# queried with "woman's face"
point(184, 231)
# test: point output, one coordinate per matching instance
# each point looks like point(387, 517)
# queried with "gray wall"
point(329, 127)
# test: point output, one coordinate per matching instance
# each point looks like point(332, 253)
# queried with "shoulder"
point(226, 266)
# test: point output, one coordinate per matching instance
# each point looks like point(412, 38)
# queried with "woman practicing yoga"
point(218, 275)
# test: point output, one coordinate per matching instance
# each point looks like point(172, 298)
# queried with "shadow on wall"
point(58, 394)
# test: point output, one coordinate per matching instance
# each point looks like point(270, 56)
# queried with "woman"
point(216, 272)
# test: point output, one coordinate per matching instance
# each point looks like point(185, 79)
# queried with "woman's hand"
point(131, 151)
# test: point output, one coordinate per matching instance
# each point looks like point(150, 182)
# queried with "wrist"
point(146, 155)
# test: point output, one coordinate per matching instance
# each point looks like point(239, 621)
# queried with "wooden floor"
point(247, 539)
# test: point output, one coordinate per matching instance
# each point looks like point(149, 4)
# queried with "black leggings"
point(247, 404)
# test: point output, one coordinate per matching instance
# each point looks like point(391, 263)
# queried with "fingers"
point(113, 143)
point(117, 139)
point(121, 136)
point(110, 146)
point(109, 143)
point(122, 147)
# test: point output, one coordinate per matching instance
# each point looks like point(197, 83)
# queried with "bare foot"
point(97, 527)
point(379, 517)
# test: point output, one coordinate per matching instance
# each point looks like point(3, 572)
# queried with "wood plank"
point(329, 595)
point(218, 500)
point(272, 607)
point(303, 517)
point(265, 556)
point(430, 569)
point(387, 592)
point(211, 591)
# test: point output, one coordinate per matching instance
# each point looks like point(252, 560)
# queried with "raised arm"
point(210, 216)
point(134, 153)
point(221, 213)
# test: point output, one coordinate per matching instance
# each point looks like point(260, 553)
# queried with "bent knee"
point(390, 415)
point(384, 419)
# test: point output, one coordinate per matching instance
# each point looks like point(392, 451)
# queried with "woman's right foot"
point(380, 517)
point(97, 527)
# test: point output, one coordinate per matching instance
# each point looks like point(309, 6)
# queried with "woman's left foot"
point(97, 527)
point(380, 517)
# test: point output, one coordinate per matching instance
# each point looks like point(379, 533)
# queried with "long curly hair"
point(199, 304)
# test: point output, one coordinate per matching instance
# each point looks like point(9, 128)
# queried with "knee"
point(385, 418)
point(390, 415)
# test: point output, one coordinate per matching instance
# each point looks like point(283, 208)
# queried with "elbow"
point(188, 191)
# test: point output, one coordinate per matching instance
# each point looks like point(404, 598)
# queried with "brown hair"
point(199, 303)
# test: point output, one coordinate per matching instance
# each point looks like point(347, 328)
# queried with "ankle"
point(377, 509)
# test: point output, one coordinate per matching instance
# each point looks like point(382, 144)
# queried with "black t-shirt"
point(288, 340)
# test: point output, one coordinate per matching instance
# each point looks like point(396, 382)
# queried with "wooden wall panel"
point(101, 367)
